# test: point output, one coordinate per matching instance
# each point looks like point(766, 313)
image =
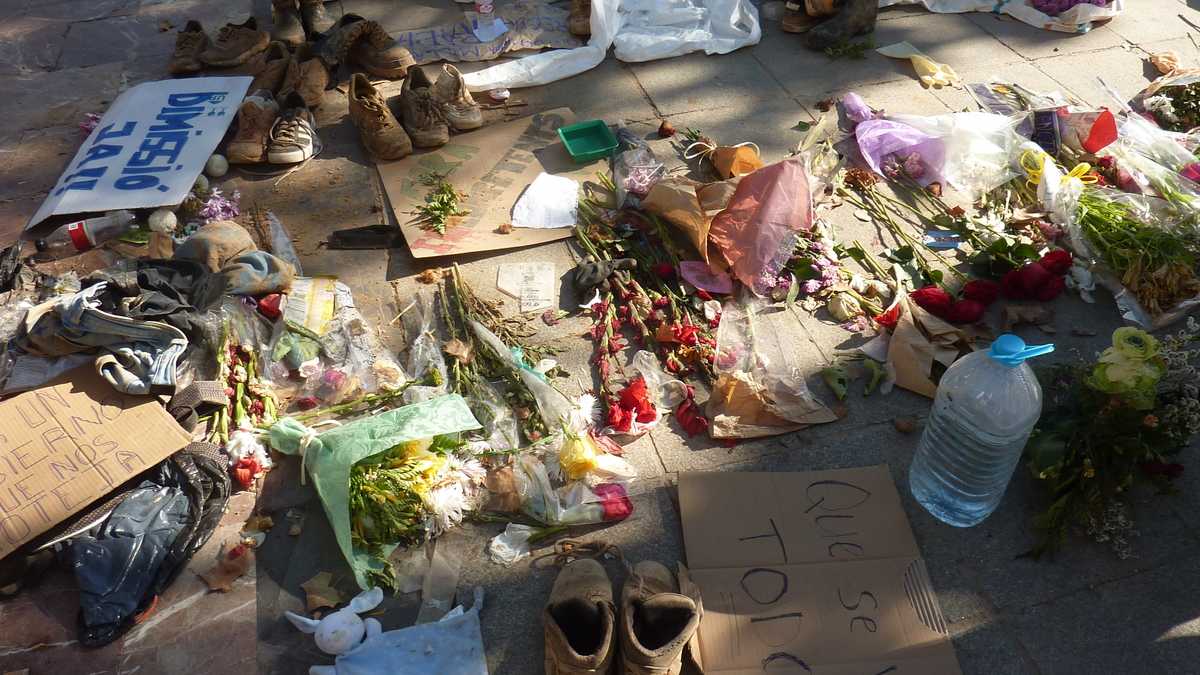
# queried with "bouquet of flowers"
point(1109, 424)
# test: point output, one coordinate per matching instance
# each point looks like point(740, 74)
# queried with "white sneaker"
point(294, 137)
point(450, 92)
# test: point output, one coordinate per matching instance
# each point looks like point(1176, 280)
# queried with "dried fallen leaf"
point(666, 129)
point(935, 189)
point(1016, 314)
point(1166, 62)
point(460, 350)
point(258, 524)
point(905, 425)
point(505, 228)
point(233, 564)
point(825, 104)
point(431, 275)
point(319, 592)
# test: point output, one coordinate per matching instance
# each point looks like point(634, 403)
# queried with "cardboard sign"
point(814, 573)
point(66, 445)
point(493, 166)
point(147, 150)
point(530, 24)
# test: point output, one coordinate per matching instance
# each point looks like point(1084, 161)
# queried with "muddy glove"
point(591, 273)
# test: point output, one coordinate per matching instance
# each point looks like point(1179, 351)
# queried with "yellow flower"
point(577, 455)
point(1089, 471)
point(1134, 344)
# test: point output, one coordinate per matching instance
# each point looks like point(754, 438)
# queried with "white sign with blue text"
point(148, 148)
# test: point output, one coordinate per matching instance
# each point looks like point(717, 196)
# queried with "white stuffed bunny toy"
point(342, 630)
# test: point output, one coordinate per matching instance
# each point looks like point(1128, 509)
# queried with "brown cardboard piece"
point(814, 572)
point(68, 444)
point(919, 340)
point(493, 166)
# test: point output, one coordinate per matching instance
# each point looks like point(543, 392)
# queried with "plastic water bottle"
point(83, 235)
point(986, 406)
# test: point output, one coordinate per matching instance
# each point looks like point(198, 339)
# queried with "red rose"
point(981, 290)
point(691, 418)
point(890, 316)
point(1051, 289)
point(665, 271)
point(615, 501)
point(685, 334)
point(1057, 261)
point(618, 418)
point(634, 393)
point(932, 299)
point(703, 294)
point(965, 311)
point(646, 413)
point(1024, 283)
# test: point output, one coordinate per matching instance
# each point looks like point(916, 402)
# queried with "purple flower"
point(811, 286)
point(217, 207)
point(914, 166)
point(829, 275)
point(856, 108)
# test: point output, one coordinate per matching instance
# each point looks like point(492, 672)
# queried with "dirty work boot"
point(270, 67)
point(579, 21)
point(294, 136)
point(420, 113)
point(381, 134)
point(288, 28)
point(255, 119)
point(461, 111)
point(578, 621)
point(656, 621)
point(857, 17)
point(235, 44)
point(189, 43)
point(353, 38)
point(316, 19)
point(307, 75)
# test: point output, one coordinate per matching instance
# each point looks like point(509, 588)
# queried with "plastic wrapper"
point(757, 231)
point(501, 429)
point(552, 404)
point(977, 148)
point(424, 350)
point(574, 503)
point(510, 545)
point(635, 171)
point(884, 143)
point(1182, 193)
point(352, 342)
point(281, 243)
point(760, 389)
point(437, 590)
point(663, 391)
point(329, 456)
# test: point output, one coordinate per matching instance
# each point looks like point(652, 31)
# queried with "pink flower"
point(614, 499)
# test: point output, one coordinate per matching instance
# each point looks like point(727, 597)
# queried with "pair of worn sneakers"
point(428, 111)
point(235, 44)
point(584, 633)
point(297, 19)
point(269, 132)
point(281, 72)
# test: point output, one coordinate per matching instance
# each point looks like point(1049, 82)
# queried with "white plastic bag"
point(978, 147)
point(642, 30)
point(1078, 19)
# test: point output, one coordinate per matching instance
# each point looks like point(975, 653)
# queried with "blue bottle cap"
point(1012, 351)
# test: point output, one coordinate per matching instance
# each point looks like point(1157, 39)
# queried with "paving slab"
point(1156, 20)
point(34, 165)
point(1034, 43)
point(1125, 70)
point(1020, 72)
point(697, 82)
point(30, 43)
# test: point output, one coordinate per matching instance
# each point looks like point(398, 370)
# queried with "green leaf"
point(1024, 252)
point(934, 276)
point(793, 292)
point(803, 126)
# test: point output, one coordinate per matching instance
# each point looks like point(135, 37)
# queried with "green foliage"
point(441, 203)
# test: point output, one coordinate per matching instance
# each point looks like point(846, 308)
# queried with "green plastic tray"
point(588, 141)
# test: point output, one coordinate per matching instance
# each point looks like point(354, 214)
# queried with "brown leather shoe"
point(235, 44)
point(307, 76)
point(420, 113)
point(656, 621)
point(189, 43)
point(579, 21)
point(256, 116)
point(378, 129)
point(578, 621)
point(288, 28)
point(316, 19)
point(379, 55)
point(269, 67)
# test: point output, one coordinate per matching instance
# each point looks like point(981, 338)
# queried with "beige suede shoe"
point(579, 622)
point(656, 621)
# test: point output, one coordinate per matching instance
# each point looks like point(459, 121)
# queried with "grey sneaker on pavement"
point(294, 136)
point(461, 111)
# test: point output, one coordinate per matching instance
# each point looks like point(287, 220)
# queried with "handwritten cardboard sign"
point(147, 149)
point(493, 166)
point(814, 573)
point(532, 24)
point(66, 445)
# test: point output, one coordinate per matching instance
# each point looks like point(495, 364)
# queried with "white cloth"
point(549, 201)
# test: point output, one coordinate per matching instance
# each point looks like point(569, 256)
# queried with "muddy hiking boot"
point(856, 17)
point(189, 44)
point(365, 43)
point(293, 136)
point(579, 621)
point(288, 28)
point(256, 117)
point(461, 111)
point(380, 132)
point(657, 622)
point(236, 44)
point(579, 20)
point(316, 19)
point(270, 67)
point(307, 75)
point(420, 113)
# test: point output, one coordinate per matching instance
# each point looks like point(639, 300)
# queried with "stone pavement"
point(1084, 612)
